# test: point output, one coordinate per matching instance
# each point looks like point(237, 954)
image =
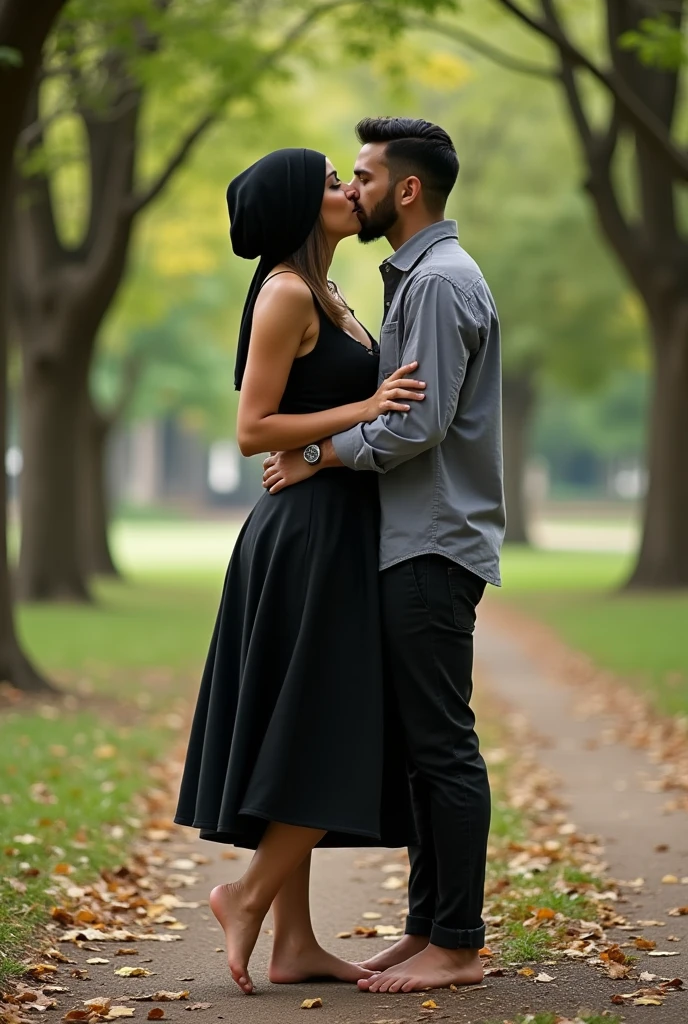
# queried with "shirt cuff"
point(346, 444)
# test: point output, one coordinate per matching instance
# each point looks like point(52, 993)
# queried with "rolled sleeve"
point(441, 332)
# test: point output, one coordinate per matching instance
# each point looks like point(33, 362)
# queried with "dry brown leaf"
point(38, 970)
point(648, 1001)
point(120, 1011)
point(63, 869)
point(156, 1013)
point(126, 951)
point(545, 914)
point(641, 943)
point(617, 971)
point(526, 972)
point(678, 912)
point(485, 951)
point(430, 1004)
point(542, 977)
point(312, 1004)
point(133, 972)
point(77, 1015)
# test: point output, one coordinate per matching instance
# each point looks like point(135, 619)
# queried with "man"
point(442, 525)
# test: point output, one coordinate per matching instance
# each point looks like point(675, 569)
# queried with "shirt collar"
point(416, 247)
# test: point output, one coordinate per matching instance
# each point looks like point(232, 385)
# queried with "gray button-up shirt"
point(441, 486)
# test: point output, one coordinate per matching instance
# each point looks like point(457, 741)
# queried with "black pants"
point(428, 608)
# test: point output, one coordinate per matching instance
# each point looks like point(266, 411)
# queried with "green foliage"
point(659, 42)
point(10, 58)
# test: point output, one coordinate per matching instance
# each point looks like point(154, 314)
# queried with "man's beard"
point(380, 220)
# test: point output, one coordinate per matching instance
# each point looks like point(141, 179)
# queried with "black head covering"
point(273, 207)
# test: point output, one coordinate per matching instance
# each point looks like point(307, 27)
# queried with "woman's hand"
point(394, 393)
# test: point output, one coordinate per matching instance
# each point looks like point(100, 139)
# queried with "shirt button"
point(386, 269)
point(386, 303)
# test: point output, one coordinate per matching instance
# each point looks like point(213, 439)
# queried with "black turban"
point(273, 207)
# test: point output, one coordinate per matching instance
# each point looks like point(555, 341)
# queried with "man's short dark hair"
point(415, 147)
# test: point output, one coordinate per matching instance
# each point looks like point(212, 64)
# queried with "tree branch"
point(629, 103)
point(485, 49)
point(136, 203)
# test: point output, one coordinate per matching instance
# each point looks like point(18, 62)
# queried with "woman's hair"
point(312, 262)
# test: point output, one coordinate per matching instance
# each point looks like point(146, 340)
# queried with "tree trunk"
point(97, 557)
point(663, 557)
point(50, 563)
point(23, 27)
point(518, 402)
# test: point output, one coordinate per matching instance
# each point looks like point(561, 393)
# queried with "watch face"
point(311, 454)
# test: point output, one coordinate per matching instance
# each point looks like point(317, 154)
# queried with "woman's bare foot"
point(433, 967)
point(404, 949)
point(241, 924)
point(291, 965)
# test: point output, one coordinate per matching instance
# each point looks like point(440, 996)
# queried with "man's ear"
point(411, 189)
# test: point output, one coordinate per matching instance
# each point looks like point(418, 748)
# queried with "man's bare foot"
point(291, 965)
point(433, 967)
point(241, 924)
point(404, 949)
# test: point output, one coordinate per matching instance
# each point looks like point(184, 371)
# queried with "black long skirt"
point(292, 723)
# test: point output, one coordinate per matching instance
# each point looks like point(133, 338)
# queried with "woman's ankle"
point(291, 943)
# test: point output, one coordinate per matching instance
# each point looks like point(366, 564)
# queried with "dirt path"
point(604, 787)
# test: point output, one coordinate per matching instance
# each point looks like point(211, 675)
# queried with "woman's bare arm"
point(282, 316)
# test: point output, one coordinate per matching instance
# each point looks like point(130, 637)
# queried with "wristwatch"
point(312, 454)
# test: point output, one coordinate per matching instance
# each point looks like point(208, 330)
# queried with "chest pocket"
point(389, 348)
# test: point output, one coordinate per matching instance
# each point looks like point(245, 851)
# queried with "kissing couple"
point(334, 708)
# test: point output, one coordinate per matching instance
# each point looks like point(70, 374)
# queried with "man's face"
point(376, 202)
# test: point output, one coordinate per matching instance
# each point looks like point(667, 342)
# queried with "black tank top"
point(339, 370)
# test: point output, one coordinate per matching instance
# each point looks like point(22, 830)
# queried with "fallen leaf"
point(343, 935)
point(678, 912)
point(648, 1001)
point(527, 972)
point(120, 1011)
point(77, 1014)
point(99, 1004)
point(647, 976)
point(543, 977)
point(198, 1006)
point(311, 1004)
point(429, 1004)
point(133, 972)
point(394, 882)
point(97, 960)
point(670, 880)
point(485, 951)
point(617, 971)
point(371, 915)
point(38, 970)
point(661, 952)
point(126, 951)
point(63, 869)
point(545, 914)
point(156, 1013)
point(641, 943)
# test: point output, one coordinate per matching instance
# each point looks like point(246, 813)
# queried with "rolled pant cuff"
point(418, 926)
point(457, 938)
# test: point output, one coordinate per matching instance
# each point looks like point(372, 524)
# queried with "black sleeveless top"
point(339, 370)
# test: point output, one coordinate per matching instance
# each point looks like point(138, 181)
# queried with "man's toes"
point(396, 984)
point(365, 983)
point(408, 986)
point(384, 985)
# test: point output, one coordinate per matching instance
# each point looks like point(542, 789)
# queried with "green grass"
point(70, 772)
point(639, 636)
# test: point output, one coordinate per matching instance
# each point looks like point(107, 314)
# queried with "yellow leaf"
point(132, 972)
point(527, 972)
point(311, 1004)
point(429, 1004)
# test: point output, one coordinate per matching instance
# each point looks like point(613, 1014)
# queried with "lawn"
point(70, 771)
point(640, 636)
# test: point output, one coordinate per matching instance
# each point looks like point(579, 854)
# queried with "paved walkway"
point(603, 785)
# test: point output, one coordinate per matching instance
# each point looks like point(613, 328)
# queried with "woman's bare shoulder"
point(285, 290)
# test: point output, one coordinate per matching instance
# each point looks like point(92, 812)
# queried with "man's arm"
point(441, 332)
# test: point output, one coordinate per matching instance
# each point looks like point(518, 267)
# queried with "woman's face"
point(338, 209)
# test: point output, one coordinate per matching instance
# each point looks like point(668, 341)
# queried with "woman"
point(287, 747)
